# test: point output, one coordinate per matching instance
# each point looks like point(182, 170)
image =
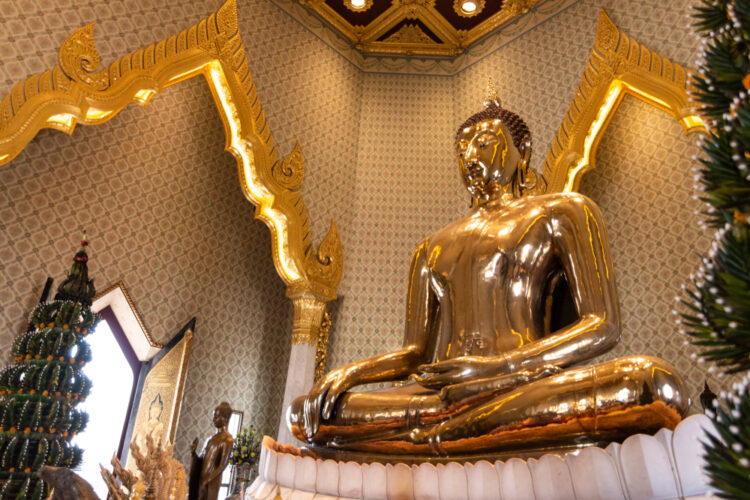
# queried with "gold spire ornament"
point(492, 96)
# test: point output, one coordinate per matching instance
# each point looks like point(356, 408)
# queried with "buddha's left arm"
point(581, 243)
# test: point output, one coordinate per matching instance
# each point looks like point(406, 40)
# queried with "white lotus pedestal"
point(663, 466)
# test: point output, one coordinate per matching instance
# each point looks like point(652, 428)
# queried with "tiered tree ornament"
point(717, 308)
point(39, 392)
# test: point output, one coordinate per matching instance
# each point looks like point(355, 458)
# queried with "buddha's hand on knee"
point(460, 370)
point(320, 401)
point(455, 393)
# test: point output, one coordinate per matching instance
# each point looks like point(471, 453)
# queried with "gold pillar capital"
point(308, 316)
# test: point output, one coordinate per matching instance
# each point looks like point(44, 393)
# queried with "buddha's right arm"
point(418, 341)
point(395, 365)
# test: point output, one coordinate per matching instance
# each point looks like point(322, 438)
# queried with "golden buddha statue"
point(487, 367)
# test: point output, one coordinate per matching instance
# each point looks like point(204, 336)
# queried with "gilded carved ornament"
point(618, 65)
point(409, 33)
point(458, 8)
point(77, 90)
point(516, 7)
point(321, 352)
point(372, 39)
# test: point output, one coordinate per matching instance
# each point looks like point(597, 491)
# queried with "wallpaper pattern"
point(165, 214)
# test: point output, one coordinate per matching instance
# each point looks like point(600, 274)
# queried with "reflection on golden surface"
point(491, 365)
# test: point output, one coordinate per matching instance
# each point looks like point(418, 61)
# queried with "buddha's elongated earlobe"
point(527, 177)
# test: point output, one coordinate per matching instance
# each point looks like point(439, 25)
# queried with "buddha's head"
point(494, 148)
point(222, 414)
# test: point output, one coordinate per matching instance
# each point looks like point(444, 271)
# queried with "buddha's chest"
point(490, 246)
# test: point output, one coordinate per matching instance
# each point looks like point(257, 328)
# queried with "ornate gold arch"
point(77, 91)
point(617, 65)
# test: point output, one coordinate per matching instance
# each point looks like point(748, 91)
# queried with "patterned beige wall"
point(161, 200)
point(644, 190)
point(404, 190)
point(164, 213)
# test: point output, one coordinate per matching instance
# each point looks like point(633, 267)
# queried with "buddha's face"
point(487, 157)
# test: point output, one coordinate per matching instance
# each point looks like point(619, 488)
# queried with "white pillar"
point(308, 316)
point(299, 380)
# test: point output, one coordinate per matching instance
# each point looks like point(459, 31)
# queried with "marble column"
point(308, 316)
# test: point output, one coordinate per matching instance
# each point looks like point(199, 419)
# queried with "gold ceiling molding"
point(373, 37)
point(406, 64)
point(410, 33)
point(618, 65)
point(76, 90)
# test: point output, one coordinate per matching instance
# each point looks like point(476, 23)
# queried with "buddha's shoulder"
point(562, 203)
point(449, 232)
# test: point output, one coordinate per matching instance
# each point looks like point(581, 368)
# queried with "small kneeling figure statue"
point(206, 469)
point(487, 370)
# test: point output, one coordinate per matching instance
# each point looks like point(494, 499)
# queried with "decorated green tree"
point(717, 308)
point(39, 392)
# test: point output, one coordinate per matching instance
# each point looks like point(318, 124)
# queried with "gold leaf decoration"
point(617, 65)
point(290, 171)
point(409, 33)
point(75, 91)
point(328, 264)
point(79, 59)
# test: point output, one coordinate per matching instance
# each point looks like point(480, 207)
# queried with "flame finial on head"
point(492, 99)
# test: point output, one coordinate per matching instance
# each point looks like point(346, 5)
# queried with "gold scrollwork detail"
point(291, 170)
point(79, 59)
point(617, 65)
point(410, 33)
point(517, 7)
point(328, 263)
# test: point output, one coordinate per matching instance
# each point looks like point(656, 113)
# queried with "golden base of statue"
point(529, 442)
